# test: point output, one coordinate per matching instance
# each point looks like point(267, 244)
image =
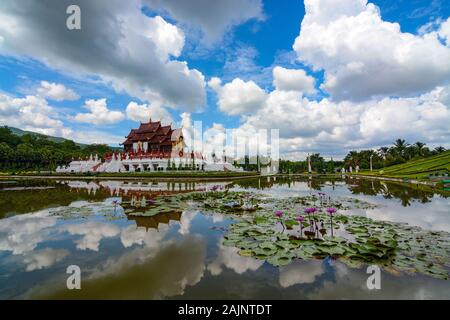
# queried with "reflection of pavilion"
point(153, 222)
point(91, 187)
point(138, 196)
point(130, 188)
point(123, 188)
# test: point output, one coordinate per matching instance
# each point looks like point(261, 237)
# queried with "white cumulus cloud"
point(238, 97)
point(333, 128)
point(31, 113)
point(293, 80)
point(444, 31)
point(144, 112)
point(364, 56)
point(56, 91)
point(99, 113)
point(117, 43)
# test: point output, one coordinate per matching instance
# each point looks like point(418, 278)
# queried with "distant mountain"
point(20, 132)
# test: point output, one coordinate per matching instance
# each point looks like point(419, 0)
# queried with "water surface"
point(45, 226)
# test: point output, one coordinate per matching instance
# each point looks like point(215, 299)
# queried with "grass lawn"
point(416, 169)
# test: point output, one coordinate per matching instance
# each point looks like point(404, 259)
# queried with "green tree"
point(419, 147)
point(400, 146)
point(37, 152)
point(6, 153)
point(440, 149)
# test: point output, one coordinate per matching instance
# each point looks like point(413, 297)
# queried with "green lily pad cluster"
point(153, 207)
point(357, 203)
point(84, 211)
point(354, 240)
point(341, 203)
point(213, 201)
point(227, 202)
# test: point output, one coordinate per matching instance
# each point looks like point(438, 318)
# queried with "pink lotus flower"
point(279, 214)
point(300, 219)
point(331, 211)
point(310, 210)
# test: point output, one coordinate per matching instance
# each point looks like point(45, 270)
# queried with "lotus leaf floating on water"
point(257, 232)
point(396, 247)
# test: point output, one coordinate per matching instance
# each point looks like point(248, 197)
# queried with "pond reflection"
point(151, 272)
point(300, 272)
point(47, 225)
point(392, 190)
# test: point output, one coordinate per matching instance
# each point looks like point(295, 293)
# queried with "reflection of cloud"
point(143, 273)
point(188, 216)
point(92, 232)
point(229, 257)
point(44, 258)
point(151, 238)
point(352, 284)
point(185, 221)
point(217, 217)
point(300, 271)
point(78, 204)
point(429, 216)
point(22, 233)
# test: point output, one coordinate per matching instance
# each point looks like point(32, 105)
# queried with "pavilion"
point(151, 147)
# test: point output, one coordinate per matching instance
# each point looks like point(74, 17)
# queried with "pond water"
point(45, 226)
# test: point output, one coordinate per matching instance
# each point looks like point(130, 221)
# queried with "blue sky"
point(227, 41)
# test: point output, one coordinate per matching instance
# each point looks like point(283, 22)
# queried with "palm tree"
point(351, 158)
point(419, 146)
point(440, 149)
point(383, 152)
point(410, 152)
point(400, 146)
